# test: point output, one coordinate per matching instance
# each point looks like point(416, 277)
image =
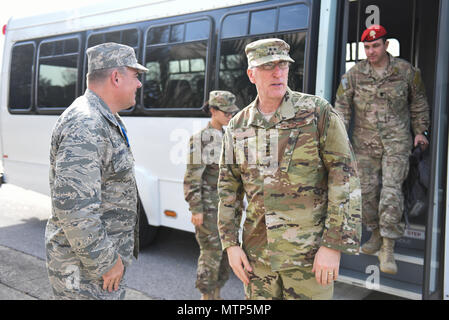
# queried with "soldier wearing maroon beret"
point(385, 98)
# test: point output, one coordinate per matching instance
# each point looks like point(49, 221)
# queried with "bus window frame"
point(179, 112)
point(56, 110)
point(138, 50)
point(32, 107)
point(249, 11)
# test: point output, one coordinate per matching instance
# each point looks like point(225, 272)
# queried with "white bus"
point(194, 47)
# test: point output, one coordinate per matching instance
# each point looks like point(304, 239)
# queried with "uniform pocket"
point(398, 99)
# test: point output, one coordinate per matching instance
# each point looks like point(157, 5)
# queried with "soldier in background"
point(384, 96)
point(200, 190)
point(289, 153)
point(93, 231)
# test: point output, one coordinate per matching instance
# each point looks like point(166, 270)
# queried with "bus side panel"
point(26, 150)
point(149, 139)
point(148, 186)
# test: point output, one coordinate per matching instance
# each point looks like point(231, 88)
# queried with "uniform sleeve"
point(343, 100)
point(230, 192)
point(77, 197)
point(343, 221)
point(193, 178)
point(419, 108)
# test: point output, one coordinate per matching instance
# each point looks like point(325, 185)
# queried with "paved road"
point(164, 270)
point(23, 216)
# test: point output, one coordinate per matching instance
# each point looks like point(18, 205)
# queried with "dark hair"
point(206, 108)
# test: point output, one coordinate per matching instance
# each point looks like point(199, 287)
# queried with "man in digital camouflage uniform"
point(200, 190)
point(289, 153)
point(93, 231)
point(383, 96)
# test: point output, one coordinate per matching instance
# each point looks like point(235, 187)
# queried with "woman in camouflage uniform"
point(200, 190)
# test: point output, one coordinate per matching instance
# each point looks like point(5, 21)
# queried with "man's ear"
point(114, 78)
point(249, 72)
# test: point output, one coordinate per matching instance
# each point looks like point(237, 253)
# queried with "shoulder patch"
point(344, 83)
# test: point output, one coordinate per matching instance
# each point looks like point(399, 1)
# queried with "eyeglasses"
point(229, 114)
point(271, 65)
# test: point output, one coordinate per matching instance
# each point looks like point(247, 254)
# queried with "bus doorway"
point(413, 34)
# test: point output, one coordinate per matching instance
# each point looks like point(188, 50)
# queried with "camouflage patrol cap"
point(223, 100)
point(267, 50)
point(112, 55)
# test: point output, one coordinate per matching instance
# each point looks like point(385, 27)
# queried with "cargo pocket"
point(398, 100)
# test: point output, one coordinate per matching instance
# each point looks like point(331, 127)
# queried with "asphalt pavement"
point(24, 277)
point(164, 271)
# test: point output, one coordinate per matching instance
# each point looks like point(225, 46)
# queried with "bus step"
point(365, 268)
point(376, 281)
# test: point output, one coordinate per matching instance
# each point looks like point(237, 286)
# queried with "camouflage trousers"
point(68, 284)
point(381, 181)
point(213, 266)
point(293, 284)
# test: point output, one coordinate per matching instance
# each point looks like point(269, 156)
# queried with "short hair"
point(102, 74)
point(206, 108)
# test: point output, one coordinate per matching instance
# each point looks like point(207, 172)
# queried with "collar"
point(101, 106)
point(209, 126)
point(285, 111)
point(367, 69)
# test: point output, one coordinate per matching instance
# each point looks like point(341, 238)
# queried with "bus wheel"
point(147, 232)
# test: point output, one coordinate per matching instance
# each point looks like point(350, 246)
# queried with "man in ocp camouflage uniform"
point(289, 153)
point(200, 190)
point(383, 96)
point(93, 231)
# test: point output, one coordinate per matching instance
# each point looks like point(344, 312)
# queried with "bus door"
point(434, 261)
point(412, 28)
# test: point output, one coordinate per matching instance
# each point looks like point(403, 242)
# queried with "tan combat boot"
point(386, 257)
point(207, 296)
point(217, 294)
point(373, 244)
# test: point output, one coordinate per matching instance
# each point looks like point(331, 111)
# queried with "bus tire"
point(147, 232)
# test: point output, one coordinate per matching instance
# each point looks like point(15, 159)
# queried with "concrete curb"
point(24, 277)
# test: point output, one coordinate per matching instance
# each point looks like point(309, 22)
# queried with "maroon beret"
point(373, 33)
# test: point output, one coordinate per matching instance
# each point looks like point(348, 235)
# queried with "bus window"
point(21, 75)
point(129, 37)
point(293, 17)
point(176, 56)
point(57, 73)
point(239, 29)
point(197, 30)
point(263, 21)
point(235, 25)
point(158, 35)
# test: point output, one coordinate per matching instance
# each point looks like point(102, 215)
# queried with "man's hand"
point(326, 265)
point(237, 258)
point(422, 141)
point(112, 278)
point(197, 219)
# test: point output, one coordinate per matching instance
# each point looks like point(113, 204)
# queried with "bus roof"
point(115, 12)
